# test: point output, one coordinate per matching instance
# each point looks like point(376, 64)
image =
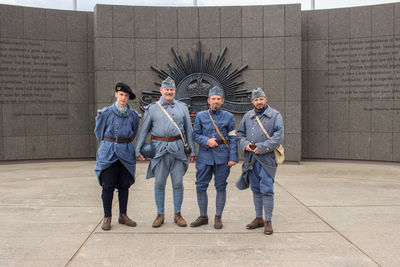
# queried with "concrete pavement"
point(327, 213)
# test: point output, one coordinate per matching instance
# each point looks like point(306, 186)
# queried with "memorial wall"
point(351, 83)
point(46, 81)
point(130, 40)
point(333, 74)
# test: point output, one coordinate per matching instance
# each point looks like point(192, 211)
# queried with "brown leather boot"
point(201, 220)
point(124, 219)
point(158, 221)
point(268, 228)
point(106, 224)
point(218, 222)
point(178, 219)
point(256, 223)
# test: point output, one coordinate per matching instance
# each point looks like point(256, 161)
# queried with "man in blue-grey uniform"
point(116, 127)
point(259, 166)
point(214, 131)
point(170, 157)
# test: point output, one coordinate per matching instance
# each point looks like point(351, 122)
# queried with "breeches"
point(260, 181)
point(204, 175)
point(115, 176)
point(169, 165)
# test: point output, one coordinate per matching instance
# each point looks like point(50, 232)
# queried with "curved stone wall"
point(333, 74)
point(351, 78)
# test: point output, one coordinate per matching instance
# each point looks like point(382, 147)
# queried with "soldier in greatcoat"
point(259, 166)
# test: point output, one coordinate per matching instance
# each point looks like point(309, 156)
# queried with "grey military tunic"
point(250, 131)
point(158, 124)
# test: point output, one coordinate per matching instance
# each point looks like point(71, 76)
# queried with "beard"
point(259, 107)
point(215, 106)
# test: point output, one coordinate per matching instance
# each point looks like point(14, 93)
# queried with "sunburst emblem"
point(194, 78)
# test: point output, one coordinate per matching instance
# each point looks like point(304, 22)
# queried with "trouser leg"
point(160, 173)
point(123, 188)
point(107, 197)
point(220, 203)
point(258, 204)
point(177, 170)
point(221, 173)
point(203, 178)
point(268, 202)
point(109, 178)
point(202, 201)
point(123, 200)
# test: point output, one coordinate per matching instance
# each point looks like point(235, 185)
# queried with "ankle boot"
point(218, 222)
point(256, 223)
point(268, 228)
point(124, 219)
point(178, 219)
point(158, 221)
point(106, 224)
point(201, 220)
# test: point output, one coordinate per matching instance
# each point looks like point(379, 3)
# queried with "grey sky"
point(88, 5)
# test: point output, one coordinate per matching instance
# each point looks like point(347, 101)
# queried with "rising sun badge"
point(194, 78)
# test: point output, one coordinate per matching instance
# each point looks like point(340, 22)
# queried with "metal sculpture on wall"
point(194, 78)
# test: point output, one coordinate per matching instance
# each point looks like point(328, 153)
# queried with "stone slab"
point(77, 26)
point(188, 22)
point(231, 22)
point(103, 21)
point(167, 26)
point(339, 23)
point(293, 20)
point(123, 22)
point(252, 53)
point(145, 22)
point(382, 20)
point(209, 22)
point(34, 23)
point(274, 20)
point(56, 25)
point(252, 21)
point(11, 21)
point(360, 21)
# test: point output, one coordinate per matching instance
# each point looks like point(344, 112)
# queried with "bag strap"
point(262, 127)
point(219, 133)
point(172, 120)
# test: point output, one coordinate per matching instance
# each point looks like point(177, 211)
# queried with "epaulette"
point(135, 112)
point(148, 106)
point(183, 103)
point(99, 111)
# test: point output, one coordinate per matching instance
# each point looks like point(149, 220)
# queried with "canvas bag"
point(279, 151)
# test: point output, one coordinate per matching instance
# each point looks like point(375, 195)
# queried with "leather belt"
point(220, 142)
point(166, 138)
point(118, 140)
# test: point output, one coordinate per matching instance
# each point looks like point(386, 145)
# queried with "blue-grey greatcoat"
point(158, 124)
point(112, 123)
point(250, 131)
point(204, 129)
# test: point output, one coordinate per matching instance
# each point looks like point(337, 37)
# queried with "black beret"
point(125, 88)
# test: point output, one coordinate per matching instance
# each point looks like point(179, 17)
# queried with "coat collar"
point(214, 112)
point(162, 102)
point(267, 112)
point(120, 114)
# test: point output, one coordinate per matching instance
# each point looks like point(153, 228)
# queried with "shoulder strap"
point(173, 122)
point(262, 127)
point(219, 133)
